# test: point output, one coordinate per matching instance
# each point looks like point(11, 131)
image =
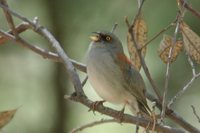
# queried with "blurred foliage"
point(29, 81)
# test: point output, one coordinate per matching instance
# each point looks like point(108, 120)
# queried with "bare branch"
point(195, 113)
point(146, 70)
point(126, 118)
point(9, 18)
point(192, 66)
point(94, 123)
point(56, 45)
point(45, 54)
point(183, 90)
point(167, 74)
point(174, 116)
point(158, 34)
point(186, 87)
point(190, 8)
point(20, 28)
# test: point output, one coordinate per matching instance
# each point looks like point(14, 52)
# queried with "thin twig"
point(17, 15)
point(158, 34)
point(146, 70)
point(167, 74)
point(9, 18)
point(92, 124)
point(195, 113)
point(183, 90)
point(190, 8)
point(192, 66)
point(174, 116)
point(45, 54)
point(5, 36)
point(19, 28)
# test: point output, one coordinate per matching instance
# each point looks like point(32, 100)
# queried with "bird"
point(112, 75)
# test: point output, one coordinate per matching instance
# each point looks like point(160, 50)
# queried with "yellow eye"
point(108, 38)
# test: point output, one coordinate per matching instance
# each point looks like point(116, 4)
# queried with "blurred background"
point(38, 85)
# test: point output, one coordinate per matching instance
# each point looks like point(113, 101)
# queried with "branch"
point(195, 113)
point(56, 45)
point(20, 28)
point(45, 54)
point(183, 90)
point(158, 34)
point(126, 118)
point(186, 87)
point(174, 116)
point(94, 123)
point(6, 36)
point(167, 74)
point(9, 18)
point(190, 8)
point(146, 70)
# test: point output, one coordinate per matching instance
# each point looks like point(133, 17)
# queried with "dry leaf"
point(6, 117)
point(191, 42)
point(165, 46)
point(140, 30)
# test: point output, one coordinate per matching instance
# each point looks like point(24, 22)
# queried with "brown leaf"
point(140, 32)
point(6, 117)
point(191, 42)
point(165, 46)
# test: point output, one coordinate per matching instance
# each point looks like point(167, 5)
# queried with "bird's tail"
point(140, 108)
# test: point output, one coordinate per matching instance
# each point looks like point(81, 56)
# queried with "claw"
point(121, 115)
point(95, 105)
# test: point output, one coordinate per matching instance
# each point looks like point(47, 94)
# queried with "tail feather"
point(139, 107)
point(144, 109)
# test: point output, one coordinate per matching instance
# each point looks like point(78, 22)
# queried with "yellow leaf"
point(6, 117)
point(191, 42)
point(140, 32)
point(165, 46)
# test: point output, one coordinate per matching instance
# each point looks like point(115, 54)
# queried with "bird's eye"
point(108, 38)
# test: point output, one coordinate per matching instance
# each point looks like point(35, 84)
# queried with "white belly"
point(106, 79)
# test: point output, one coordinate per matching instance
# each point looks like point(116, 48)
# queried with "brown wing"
point(134, 83)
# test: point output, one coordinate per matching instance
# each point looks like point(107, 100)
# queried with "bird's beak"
point(96, 37)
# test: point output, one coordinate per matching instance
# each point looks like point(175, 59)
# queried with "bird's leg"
point(95, 105)
point(121, 113)
point(137, 123)
point(137, 128)
point(154, 120)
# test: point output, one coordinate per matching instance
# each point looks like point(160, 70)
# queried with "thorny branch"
point(60, 56)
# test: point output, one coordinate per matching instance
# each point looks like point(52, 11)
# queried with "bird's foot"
point(95, 105)
point(121, 115)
